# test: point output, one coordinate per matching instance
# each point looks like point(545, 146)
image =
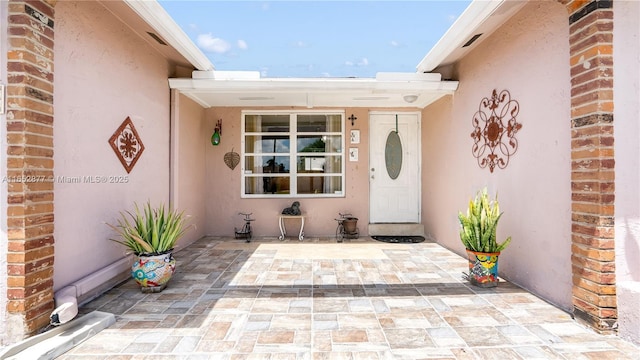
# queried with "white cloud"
point(209, 43)
point(193, 26)
point(452, 18)
point(394, 43)
point(361, 62)
point(242, 44)
point(299, 44)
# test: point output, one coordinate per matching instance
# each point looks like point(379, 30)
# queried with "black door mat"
point(399, 239)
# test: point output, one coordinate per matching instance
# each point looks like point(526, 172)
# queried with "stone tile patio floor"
point(318, 299)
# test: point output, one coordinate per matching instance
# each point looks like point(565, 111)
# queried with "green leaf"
point(149, 230)
point(479, 227)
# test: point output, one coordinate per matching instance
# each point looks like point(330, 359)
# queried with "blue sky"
point(315, 38)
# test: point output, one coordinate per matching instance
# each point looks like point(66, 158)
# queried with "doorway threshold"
point(401, 229)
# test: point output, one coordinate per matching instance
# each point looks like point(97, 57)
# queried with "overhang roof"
point(152, 23)
point(247, 89)
point(474, 25)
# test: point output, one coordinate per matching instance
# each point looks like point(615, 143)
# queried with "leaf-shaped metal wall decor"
point(232, 159)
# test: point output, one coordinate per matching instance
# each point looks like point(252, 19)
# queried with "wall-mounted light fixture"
point(410, 98)
point(215, 138)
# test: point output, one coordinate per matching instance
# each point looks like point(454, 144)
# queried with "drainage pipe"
point(88, 288)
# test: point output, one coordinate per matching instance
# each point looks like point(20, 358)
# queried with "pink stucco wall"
point(528, 56)
point(188, 165)
point(626, 52)
point(627, 131)
point(223, 186)
point(103, 74)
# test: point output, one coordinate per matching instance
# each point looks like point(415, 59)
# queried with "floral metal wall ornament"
point(127, 145)
point(495, 127)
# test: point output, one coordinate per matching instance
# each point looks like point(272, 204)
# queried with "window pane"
point(319, 164)
point(266, 164)
point(266, 123)
point(266, 144)
point(273, 165)
point(319, 143)
point(319, 184)
point(266, 185)
point(319, 123)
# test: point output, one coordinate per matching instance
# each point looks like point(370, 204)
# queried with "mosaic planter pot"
point(152, 272)
point(483, 268)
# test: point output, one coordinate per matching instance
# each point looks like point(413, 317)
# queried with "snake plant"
point(150, 231)
point(478, 227)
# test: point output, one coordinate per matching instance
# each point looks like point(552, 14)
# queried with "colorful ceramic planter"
point(483, 268)
point(153, 272)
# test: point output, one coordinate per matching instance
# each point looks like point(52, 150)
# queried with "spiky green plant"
point(150, 231)
point(478, 227)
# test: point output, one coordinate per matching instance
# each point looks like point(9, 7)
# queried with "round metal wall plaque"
point(393, 155)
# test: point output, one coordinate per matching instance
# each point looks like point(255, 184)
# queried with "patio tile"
point(408, 338)
point(482, 336)
point(317, 299)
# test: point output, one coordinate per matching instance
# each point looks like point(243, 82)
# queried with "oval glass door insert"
point(393, 155)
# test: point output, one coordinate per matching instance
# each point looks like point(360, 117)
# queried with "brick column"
point(592, 162)
point(30, 166)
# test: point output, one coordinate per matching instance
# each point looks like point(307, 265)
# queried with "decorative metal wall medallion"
point(393, 155)
point(127, 145)
point(495, 127)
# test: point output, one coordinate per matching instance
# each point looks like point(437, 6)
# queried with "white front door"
point(394, 168)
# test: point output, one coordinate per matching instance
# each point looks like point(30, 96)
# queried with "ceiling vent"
point(157, 38)
point(472, 40)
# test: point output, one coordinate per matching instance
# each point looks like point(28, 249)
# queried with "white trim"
point(314, 92)
point(293, 152)
point(312, 84)
point(474, 15)
point(481, 16)
point(156, 16)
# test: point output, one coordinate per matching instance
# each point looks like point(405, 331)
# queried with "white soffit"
point(155, 25)
point(481, 18)
point(247, 89)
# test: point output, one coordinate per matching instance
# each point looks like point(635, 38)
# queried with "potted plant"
point(151, 234)
point(478, 234)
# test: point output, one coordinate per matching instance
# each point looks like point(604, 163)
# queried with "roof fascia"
point(311, 84)
point(473, 16)
point(157, 17)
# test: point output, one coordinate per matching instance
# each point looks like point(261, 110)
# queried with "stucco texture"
point(103, 75)
point(527, 56)
point(188, 165)
point(223, 186)
point(626, 52)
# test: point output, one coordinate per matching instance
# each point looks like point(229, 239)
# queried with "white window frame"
point(293, 153)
